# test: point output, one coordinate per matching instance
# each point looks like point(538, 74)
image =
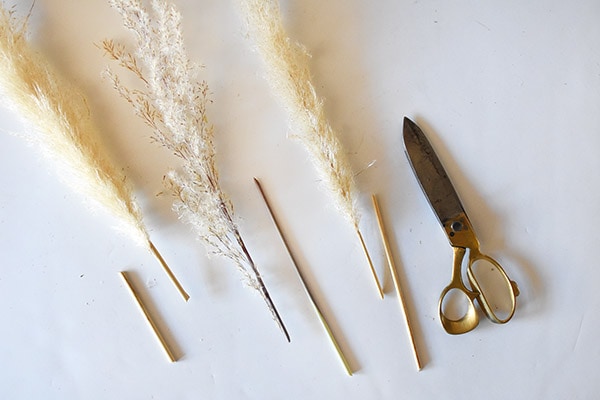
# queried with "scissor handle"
point(509, 286)
point(470, 319)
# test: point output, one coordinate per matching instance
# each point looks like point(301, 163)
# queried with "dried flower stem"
point(396, 280)
point(65, 132)
point(173, 103)
point(289, 76)
point(138, 299)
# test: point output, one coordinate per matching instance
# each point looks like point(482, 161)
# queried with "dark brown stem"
point(261, 286)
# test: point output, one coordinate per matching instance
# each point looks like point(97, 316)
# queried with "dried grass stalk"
point(173, 103)
point(289, 76)
point(64, 130)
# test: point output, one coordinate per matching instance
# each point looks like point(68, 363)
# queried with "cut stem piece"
point(153, 325)
point(166, 268)
point(326, 326)
point(396, 279)
point(364, 247)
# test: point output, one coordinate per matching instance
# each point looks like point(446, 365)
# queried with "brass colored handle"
point(470, 319)
point(508, 287)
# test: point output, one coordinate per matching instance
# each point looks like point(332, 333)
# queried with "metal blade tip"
point(409, 124)
point(408, 130)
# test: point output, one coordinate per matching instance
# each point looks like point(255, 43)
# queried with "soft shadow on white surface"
point(508, 94)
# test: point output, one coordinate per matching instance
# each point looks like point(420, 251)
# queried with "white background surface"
point(507, 92)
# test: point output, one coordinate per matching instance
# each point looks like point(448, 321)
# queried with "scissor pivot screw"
point(456, 226)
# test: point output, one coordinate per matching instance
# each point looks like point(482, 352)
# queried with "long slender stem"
point(364, 247)
point(314, 303)
point(166, 268)
point(396, 279)
point(153, 325)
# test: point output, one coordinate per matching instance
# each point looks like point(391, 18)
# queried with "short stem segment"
point(364, 247)
point(166, 268)
point(153, 325)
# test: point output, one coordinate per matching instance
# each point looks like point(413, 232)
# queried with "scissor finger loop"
point(469, 319)
point(501, 309)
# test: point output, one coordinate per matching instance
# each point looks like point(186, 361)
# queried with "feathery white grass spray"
point(173, 103)
point(288, 74)
point(64, 130)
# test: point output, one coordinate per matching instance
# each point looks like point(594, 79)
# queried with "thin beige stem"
point(166, 268)
point(153, 325)
point(314, 303)
point(396, 279)
point(364, 247)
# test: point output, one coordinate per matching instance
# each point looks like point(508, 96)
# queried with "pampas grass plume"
point(64, 131)
point(288, 74)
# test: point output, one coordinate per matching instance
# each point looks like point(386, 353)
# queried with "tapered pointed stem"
point(364, 247)
point(396, 279)
point(166, 268)
point(153, 325)
point(261, 287)
point(326, 326)
point(267, 297)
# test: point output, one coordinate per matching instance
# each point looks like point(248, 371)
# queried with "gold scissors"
point(447, 206)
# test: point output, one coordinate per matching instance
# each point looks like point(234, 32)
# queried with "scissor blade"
point(431, 176)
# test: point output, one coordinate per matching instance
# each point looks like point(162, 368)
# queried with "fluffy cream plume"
point(173, 104)
point(289, 76)
point(65, 132)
